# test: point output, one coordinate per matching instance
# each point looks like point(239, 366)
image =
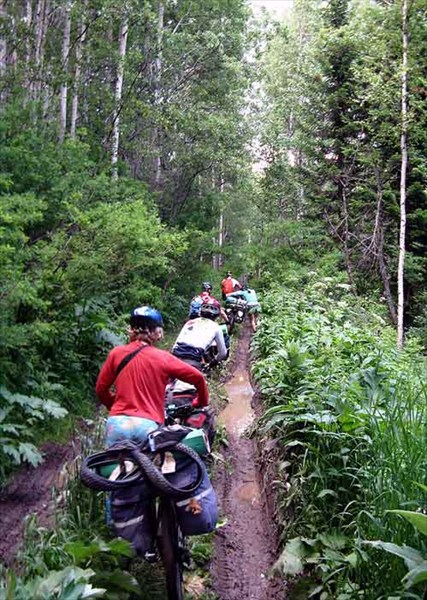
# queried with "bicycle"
point(235, 309)
point(133, 464)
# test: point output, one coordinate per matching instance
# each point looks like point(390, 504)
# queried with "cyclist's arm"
point(185, 372)
point(220, 345)
point(237, 294)
point(104, 382)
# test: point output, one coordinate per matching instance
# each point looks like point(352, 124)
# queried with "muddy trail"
point(245, 548)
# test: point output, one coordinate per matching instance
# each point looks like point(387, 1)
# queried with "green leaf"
point(417, 519)
point(120, 547)
point(326, 492)
point(421, 486)
point(416, 575)
point(30, 454)
point(412, 557)
point(54, 409)
point(121, 580)
point(290, 561)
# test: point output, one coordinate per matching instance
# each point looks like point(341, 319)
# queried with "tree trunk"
point(158, 63)
point(40, 34)
point(64, 84)
point(404, 163)
point(77, 71)
point(221, 237)
point(118, 94)
point(378, 245)
point(28, 22)
point(3, 45)
point(348, 264)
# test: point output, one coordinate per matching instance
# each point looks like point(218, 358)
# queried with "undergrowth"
point(79, 558)
point(348, 412)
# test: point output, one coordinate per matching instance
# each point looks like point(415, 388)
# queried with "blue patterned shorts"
point(123, 427)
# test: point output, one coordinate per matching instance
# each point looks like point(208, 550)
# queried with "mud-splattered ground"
point(30, 492)
point(245, 548)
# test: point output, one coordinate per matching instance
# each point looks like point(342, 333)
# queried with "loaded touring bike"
point(160, 492)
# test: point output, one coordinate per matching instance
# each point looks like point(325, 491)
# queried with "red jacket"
point(140, 386)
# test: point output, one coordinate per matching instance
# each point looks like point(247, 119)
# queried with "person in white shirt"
point(199, 334)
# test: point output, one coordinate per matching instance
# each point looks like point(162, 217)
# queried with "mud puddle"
point(245, 546)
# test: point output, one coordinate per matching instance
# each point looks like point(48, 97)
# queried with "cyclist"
point(199, 333)
point(198, 300)
point(136, 407)
point(253, 306)
point(229, 285)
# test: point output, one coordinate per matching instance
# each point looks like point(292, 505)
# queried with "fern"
point(18, 416)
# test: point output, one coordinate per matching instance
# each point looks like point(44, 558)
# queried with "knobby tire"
point(168, 540)
point(231, 322)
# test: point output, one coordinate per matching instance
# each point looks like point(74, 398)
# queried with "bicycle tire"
point(147, 469)
point(169, 540)
point(231, 322)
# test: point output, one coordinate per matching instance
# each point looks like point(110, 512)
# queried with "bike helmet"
point(210, 309)
point(145, 316)
point(206, 286)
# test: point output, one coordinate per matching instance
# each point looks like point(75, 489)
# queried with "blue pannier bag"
point(198, 513)
point(133, 517)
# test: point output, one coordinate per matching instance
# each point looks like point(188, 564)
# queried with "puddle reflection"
point(238, 414)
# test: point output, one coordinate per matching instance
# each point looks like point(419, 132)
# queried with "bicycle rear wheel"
point(170, 542)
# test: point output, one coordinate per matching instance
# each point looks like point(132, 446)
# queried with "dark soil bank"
point(30, 492)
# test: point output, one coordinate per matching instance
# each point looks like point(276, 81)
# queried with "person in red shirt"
point(229, 285)
point(140, 373)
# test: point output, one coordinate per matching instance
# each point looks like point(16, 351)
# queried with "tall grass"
point(350, 413)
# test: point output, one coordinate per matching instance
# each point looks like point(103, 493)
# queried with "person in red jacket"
point(140, 373)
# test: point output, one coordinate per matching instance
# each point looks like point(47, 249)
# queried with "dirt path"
point(30, 492)
point(245, 546)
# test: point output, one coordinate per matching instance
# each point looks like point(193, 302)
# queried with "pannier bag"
point(203, 419)
point(164, 437)
point(199, 513)
point(132, 516)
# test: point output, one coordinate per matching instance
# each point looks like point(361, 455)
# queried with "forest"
point(147, 146)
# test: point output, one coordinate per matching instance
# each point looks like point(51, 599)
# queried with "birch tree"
point(157, 92)
point(123, 35)
point(64, 84)
point(82, 29)
point(3, 46)
point(404, 164)
point(40, 36)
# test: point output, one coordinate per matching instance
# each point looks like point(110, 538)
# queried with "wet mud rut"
point(245, 546)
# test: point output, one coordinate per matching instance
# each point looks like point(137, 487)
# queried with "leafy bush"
point(349, 413)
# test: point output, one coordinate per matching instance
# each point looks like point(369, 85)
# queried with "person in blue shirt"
point(253, 306)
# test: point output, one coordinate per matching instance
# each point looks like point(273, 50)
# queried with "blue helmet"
point(145, 316)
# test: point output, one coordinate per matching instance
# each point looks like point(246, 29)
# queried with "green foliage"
point(71, 583)
point(349, 414)
point(19, 417)
point(330, 138)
